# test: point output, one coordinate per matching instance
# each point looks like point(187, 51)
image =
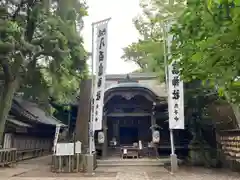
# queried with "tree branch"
point(31, 22)
point(19, 9)
point(6, 69)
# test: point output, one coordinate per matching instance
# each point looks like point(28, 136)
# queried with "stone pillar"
point(105, 144)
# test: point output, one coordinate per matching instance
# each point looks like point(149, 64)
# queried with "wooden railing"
point(25, 142)
point(8, 157)
point(31, 153)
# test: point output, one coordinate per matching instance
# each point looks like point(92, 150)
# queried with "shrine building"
point(134, 104)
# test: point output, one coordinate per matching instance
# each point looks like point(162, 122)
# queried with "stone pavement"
point(24, 167)
point(38, 169)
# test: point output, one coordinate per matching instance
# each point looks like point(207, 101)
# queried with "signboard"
point(78, 147)
point(101, 62)
point(64, 149)
point(67, 149)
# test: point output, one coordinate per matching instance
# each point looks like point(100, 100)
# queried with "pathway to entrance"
point(38, 169)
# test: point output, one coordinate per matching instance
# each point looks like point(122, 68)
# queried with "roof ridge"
point(24, 109)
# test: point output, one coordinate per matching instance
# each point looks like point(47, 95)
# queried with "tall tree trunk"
point(84, 113)
point(6, 103)
point(47, 4)
point(236, 111)
point(64, 7)
point(235, 108)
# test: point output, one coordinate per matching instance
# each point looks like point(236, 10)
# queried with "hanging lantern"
point(155, 136)
point(100, 137)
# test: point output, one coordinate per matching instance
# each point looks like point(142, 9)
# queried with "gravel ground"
point(38, 169)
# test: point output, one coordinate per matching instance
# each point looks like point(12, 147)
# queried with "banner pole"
point(91, 123)
point(104, 20)
point(91, 130)
point(167, 51)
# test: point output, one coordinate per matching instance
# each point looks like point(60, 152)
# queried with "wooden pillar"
point(153, 119)
point(83, 116)
point(116, 129)
point(105, 129)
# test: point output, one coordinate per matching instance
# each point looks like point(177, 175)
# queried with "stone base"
point(174, 163)
point(90, 164)
point(195, 157)
point(199, 157)
point(75, 163)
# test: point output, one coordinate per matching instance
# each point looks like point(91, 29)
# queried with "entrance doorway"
point(128, 135)
point(129, 129)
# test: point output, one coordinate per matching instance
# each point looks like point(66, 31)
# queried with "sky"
point(121, 30)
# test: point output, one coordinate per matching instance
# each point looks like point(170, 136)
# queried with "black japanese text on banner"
point(175, 90)
point(99, 84)
point(175, 101)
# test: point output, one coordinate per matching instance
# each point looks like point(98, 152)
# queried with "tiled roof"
point(41, 115)
point(132, 76)
point(129, 85)
point(17, 122)
point(20, 110)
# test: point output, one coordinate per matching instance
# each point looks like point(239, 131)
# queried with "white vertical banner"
point(57, 130)
point(99, 83)
point(175, 91)
point(176, 98)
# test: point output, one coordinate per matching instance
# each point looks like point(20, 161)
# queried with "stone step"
point(133, 162)
point(130, 164)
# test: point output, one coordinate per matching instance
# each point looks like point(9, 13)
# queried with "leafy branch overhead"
point(41, 50)
point(207, 44)
point(43, 44)
point(148, 51)
point(206, 40)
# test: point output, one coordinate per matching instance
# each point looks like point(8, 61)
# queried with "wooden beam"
point(128, 114)
point(130, 105)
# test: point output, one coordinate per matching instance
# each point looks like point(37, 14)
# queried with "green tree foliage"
point(207, 45)
point(148, 51)
point(41, 52)
point(205, 40)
